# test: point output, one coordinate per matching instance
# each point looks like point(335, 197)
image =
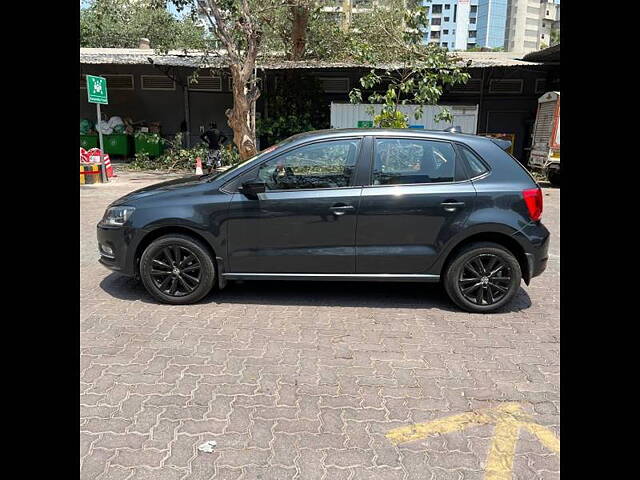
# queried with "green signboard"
point(365, 123)
point(97, 89)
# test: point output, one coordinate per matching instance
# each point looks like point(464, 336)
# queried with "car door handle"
point(451, 205)
point(341, 209)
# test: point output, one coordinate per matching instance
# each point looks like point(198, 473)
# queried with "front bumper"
point(121, 241)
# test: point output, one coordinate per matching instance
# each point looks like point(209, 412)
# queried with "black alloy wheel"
point(176, 270)
point(482, 277)
point(485, 279)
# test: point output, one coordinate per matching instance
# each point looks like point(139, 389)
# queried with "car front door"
point(417, 200)
point(305, 221)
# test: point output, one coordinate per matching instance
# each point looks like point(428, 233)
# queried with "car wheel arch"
point(502, 236)
point(156, 233)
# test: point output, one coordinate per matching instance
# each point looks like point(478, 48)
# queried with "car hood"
point(157, 188)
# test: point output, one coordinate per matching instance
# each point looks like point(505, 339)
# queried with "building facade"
point(504, 90)
point(516, 25)
point(452, 23)
point(465, 24)
point(491, 23)
point(530, 23)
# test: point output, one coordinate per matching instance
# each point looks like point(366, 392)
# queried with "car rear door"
point(416, 200)
point(305, 222)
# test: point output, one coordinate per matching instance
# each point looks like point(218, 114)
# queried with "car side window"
point(474, 164)
point(407, 161)
point(320, 165)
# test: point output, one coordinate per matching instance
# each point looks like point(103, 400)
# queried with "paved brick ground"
point(302, 380)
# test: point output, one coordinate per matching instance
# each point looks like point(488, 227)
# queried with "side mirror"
point(252, 189)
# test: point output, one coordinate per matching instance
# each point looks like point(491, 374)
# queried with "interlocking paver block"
point(302, 380)
point(94, 464)
point(132, 458)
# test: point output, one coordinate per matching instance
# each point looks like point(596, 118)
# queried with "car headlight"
point(117, 215)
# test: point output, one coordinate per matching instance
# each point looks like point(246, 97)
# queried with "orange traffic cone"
point(199, 166)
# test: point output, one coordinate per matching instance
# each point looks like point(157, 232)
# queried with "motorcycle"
point(213, 160)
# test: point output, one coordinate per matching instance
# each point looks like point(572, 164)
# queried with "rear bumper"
point(535, 240)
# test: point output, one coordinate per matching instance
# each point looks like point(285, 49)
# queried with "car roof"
point(396, 132)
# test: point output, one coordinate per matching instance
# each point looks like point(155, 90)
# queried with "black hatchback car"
point(352, 204)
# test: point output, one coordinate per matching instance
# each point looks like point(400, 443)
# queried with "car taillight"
point(533, 199)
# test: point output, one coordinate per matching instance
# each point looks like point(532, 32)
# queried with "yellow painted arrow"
point(508, 418)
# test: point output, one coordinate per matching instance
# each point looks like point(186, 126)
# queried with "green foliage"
point(324, 38)
point(151, 137)
point(391, 119)
point(293, 107)
point(178, 158)
point(230, 156)
point(421, 72)
point(485, 49)
point(121, 24)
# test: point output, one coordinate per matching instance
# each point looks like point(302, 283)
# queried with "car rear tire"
point(177, 269)
point(482, 277)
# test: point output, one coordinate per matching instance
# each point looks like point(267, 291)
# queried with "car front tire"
point(177, 269)
point(483, 277)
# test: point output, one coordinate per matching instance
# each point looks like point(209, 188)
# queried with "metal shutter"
point(119, 81)
point(156, 82)
point(541, 85)
point(334, 84)
point(207, 84)
point(544, 123)
point(473, 85)
point(505, 86)
point(114, 82)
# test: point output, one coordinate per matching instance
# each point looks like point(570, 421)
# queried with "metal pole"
point(103, 171)
point(187, 114)
point(253, 120)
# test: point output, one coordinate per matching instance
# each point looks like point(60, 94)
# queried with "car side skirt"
point(381, 277)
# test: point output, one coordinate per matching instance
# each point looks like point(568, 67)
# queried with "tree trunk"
point(300, 16)
point(346, 12)
point(242, 63)
point(239, 116)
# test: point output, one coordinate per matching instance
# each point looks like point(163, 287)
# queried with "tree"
point(237, 26)
point(121, 24)
point(301, 29)
point(417, 73)
point(245, 29)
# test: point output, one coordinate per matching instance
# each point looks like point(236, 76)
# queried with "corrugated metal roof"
point(134, 56)
point(550, 54)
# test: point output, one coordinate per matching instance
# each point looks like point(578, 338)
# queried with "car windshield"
point(218, 175)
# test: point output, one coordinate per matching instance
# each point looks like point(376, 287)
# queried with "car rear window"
point(407, 161)
point(475, 166)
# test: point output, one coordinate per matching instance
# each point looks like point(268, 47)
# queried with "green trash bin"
point(117, 144)
point(145, 143)
point(88, 141)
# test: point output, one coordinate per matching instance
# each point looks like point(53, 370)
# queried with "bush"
point(177, 158)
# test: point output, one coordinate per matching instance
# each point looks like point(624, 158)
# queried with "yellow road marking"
point(546, 436)
point(508, 418)
point(502, 450)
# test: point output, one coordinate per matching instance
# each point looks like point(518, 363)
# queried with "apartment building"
point(491, 23)
point(464, 24)
point(516, 25)
point(530, 23)
point(452, 23)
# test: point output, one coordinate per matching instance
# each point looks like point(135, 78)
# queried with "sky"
point(171, 7)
